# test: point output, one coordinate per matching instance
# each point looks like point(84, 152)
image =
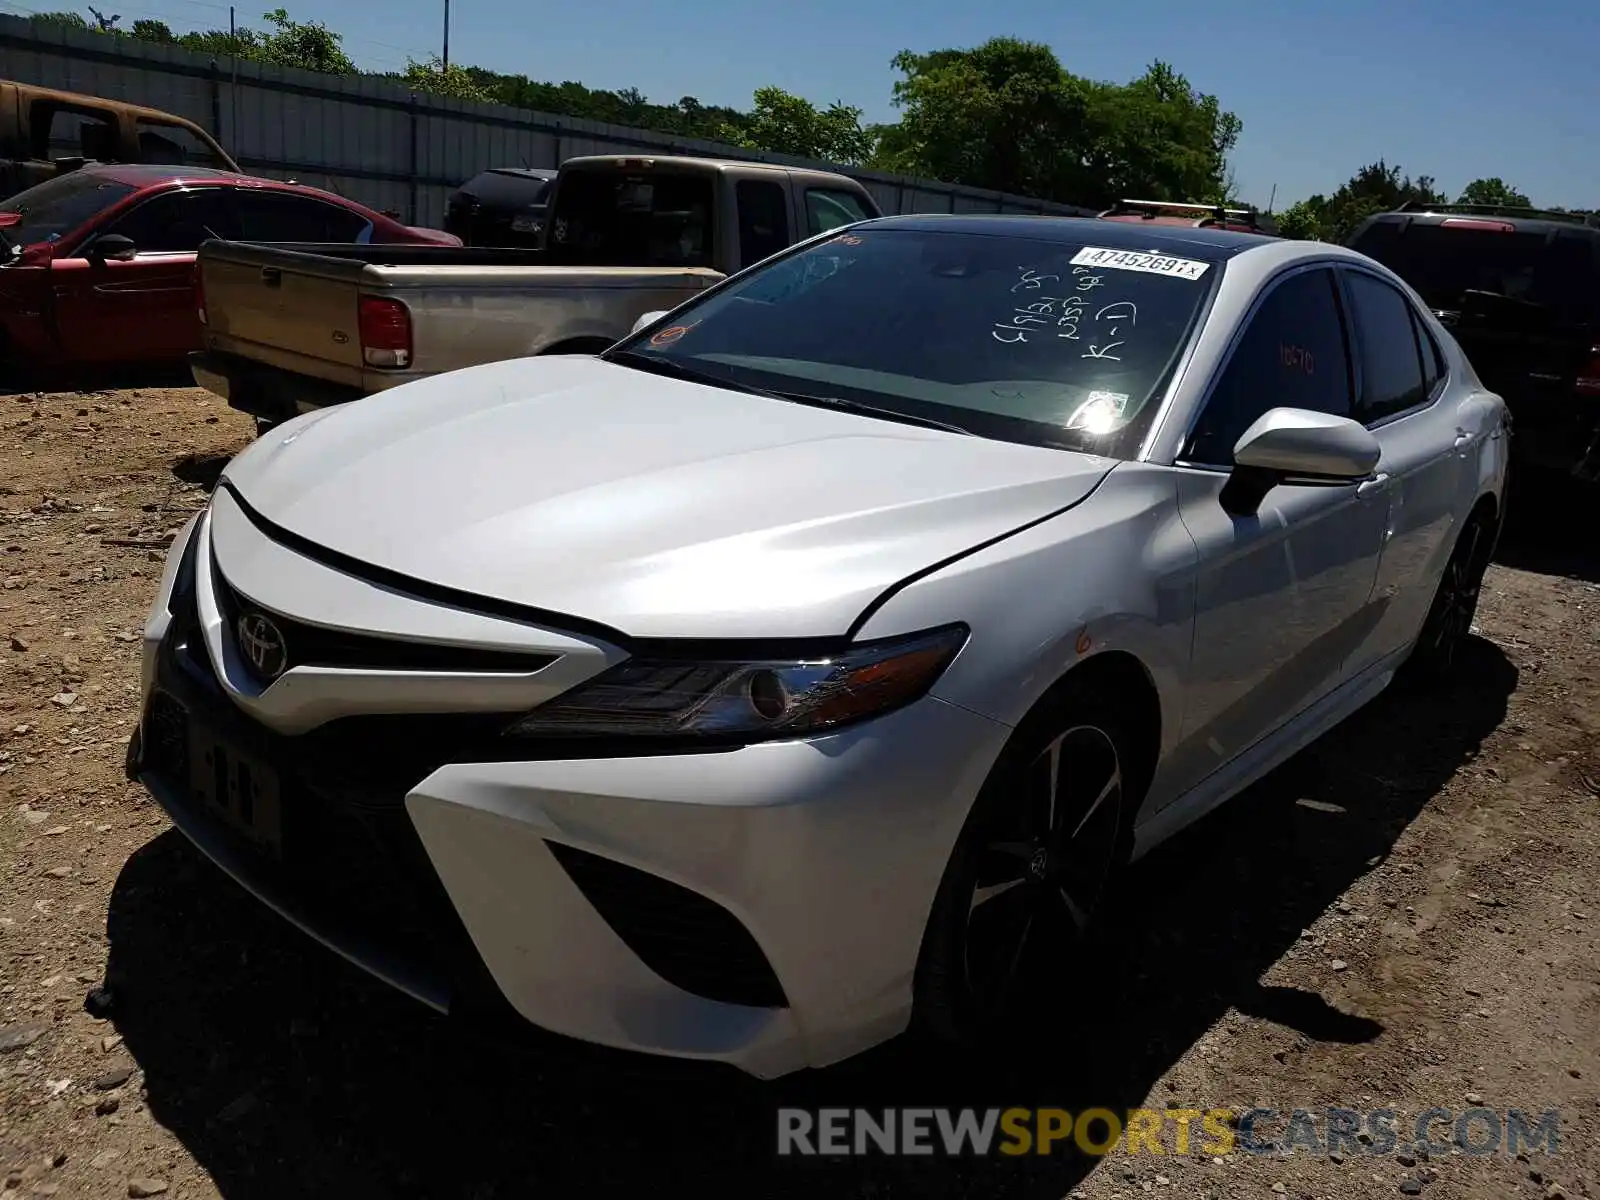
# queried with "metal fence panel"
point(372, 141)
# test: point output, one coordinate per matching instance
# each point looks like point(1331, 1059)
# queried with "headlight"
point(751, 700)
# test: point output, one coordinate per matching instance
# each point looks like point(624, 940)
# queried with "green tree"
point(787, 124)
point(1375, 188)
point(435, 77)
point(1157, 138)
point(310, 45)
point(1003, 115)
point(148, 30)
point(70, 19)
point(1494, 191)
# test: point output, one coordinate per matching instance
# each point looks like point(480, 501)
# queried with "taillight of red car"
point(385, 329)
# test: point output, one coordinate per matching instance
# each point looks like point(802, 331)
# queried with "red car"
point(97, 266)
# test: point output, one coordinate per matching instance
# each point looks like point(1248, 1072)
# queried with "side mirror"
point(113, 247)
point(1298, 444)
point(649, 318)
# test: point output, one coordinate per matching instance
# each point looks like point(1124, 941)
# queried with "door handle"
point(1372, 487)
point(271, 276)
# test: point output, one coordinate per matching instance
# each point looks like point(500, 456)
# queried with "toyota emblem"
point(261, 643)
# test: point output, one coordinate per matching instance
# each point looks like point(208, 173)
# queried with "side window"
point(1386, 339)
point(827, 209)
point(1292, 355)
point(175, 145)
point(284, 217)
point(175, 221)
point(1433, 368)
point(763, 220)
point(61, 132)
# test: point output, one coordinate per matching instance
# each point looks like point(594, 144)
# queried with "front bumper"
point(761, 906)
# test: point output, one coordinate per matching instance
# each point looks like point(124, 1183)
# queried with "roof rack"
point(1502, 210)
point(1216, 212)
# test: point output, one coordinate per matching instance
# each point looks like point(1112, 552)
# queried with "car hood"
point(658, 507)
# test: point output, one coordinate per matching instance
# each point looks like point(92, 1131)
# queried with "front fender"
point(1115, 572)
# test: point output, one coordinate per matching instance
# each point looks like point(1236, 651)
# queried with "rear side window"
point(828, 209)
point(763, 220)
point(1433, 368)
point(284, 217)
point(177, 145)
point(1292, 355)
point(609, 217)
point(1386, 341)
point(62, 131)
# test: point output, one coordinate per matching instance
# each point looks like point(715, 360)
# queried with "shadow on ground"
point(1551, 526)
point(287, 1073)
point(113, 378)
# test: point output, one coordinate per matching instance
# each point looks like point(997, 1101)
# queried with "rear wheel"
point(1018, 903)
point(1455, 604)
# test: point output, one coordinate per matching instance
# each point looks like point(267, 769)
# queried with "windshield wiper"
point(675, 369)
point(871, 410)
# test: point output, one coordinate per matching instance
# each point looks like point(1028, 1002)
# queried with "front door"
point(1282, 595)
point(145, 309)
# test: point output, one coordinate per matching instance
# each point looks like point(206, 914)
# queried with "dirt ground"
point(1403, 917)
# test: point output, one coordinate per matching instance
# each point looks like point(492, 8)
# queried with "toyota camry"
point(805, 665)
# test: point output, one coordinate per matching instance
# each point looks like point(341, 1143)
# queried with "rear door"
point(1402, 400)
point(144, 309)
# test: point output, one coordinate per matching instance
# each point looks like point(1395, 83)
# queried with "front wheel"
point(1020, 896)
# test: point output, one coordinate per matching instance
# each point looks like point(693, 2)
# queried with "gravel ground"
point(1402, 917)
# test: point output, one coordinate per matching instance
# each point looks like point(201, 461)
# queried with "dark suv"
point(1520, 289)
point(503, 206)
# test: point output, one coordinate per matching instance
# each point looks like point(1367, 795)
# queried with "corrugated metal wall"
point(373, 141)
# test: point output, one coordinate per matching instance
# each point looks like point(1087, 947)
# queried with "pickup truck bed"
point(288, 328)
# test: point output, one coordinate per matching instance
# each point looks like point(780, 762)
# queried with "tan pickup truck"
point(288, 329)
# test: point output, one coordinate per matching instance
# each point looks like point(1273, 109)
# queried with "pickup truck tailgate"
point(297, 312)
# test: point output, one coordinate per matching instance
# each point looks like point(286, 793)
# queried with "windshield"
point(54, 208)
point(1045, 342)
point(1459, 267)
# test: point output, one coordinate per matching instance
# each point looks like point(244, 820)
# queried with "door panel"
point(1283, 595)
point(1423, 455)
point(145, 309)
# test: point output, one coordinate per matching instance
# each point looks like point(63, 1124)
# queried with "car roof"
point(1209, 244)
point(147, 175)
point(1543, 223)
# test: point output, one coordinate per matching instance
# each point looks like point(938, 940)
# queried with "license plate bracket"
point(238, 788)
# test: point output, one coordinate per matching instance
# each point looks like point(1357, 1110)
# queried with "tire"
point(1432, 661)
point(1006, 878)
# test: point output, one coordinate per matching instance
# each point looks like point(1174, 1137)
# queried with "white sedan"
point(805, 664)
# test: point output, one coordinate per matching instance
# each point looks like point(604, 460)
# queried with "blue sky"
point(1453, 88)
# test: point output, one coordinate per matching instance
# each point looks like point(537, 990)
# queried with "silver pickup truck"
point(288, 329)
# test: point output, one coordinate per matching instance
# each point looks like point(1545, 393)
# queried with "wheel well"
point(1486, 510)
point(580, 345)
point(1123, 680)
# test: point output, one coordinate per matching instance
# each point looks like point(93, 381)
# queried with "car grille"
point(313, 645)
point(688, 940)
